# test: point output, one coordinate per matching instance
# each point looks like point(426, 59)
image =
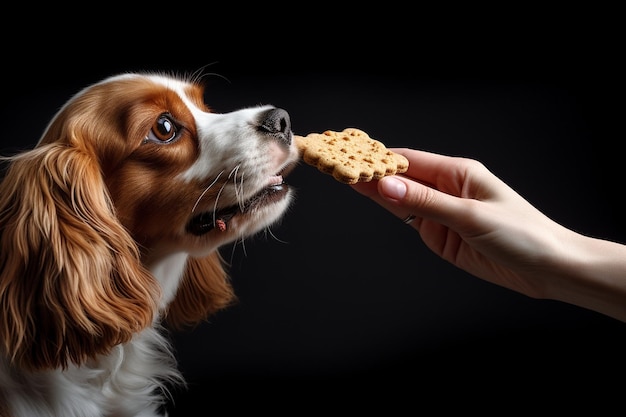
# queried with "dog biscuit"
point(350, 156)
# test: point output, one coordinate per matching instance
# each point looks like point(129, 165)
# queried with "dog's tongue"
point(223, 217)
point(205, 222)
point(221, 224)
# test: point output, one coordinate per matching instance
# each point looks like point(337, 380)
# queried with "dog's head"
point(132, 175)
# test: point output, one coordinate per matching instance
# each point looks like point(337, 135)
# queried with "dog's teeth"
point(276, 180)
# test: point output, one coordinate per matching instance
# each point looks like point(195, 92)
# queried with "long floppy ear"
point(71, 282)
point(204, 290)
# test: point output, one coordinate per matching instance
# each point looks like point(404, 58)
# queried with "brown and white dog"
point(111, 225)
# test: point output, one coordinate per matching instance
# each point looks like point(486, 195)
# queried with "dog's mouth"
point(206, 221)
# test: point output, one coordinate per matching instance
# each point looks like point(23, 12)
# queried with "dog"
point(110, 229)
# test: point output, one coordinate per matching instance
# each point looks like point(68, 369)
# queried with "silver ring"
point(409, 219)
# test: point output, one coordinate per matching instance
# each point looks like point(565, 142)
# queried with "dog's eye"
point(163, 130)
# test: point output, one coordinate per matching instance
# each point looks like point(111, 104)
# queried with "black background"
point(342, 306)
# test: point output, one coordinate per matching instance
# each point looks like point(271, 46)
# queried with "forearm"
point(590, 273)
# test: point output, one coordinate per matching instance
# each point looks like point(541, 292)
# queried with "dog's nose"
point(277, 123)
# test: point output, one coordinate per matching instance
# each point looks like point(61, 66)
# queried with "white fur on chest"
point(127, 382)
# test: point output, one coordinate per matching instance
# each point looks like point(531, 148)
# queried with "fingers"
point(437, 187)
point(424, 167)
point(431, 168)
point(405, 197)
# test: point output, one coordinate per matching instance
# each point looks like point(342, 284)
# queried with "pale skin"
point(472, 219)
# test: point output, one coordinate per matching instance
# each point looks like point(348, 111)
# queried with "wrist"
point(590, 273)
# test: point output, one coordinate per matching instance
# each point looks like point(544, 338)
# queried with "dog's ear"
point(71, 282)
point(204, 290)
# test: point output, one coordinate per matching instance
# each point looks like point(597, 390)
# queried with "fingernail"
point(393, 188)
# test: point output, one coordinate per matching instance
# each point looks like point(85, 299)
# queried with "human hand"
point(469, 217)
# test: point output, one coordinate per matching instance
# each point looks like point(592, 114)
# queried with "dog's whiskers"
point(238, 189)
point(269, 232)
point(234, 171)
point(217, 198)
point(205, 191)
point(199, 74)
point(243, 247)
